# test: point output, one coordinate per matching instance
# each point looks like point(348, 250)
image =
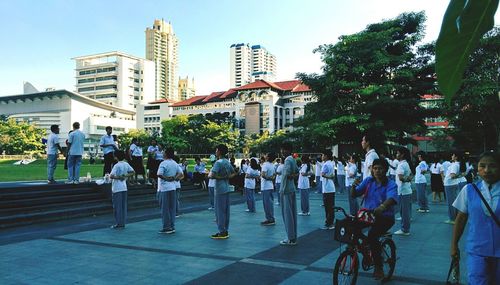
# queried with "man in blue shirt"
point(380, 196)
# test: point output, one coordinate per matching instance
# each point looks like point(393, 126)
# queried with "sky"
point(40, 38)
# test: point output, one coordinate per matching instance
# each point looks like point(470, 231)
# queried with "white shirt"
point(340, 168)
point(178, 182)
point(250, 182)
point(268, 170)
point(351, 170)
point(454, 168)
point(404, 188)
point(370, 156)
point(107, 140)
point(304, 180)
point(211, 181)
point(76, 139)
point(168, 168)
point(279, 170)
point(157, 153)
point(419, 176)
point(491, 197)
point(52, 142)
point(135, 150)
point(394, 164)
point(119, 169)
point(444, 167)
point(326, 183)
point(319, 164)
point(436, 168)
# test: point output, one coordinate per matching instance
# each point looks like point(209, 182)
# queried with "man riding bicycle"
point(380, 196)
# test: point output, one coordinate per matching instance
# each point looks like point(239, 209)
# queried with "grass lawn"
point(37, 170)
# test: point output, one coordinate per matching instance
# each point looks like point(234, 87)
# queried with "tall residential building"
point(263, 64)
point(248, 64)
point(240, 62)
point(115, 78)
point(186, 88)
point(161, 48)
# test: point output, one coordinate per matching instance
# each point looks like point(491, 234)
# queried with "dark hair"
point(406, 156)
point(278, 160)
point(176, 158)
point(134, 140)
point(461, 161)
point(119, 154)
point(197, 159)
point(169, 152)
point(109, 128)
point(222, 148)
point(357, 162)
point(115, 137)
point(491, 154)
point(154, 140)
point(76, 125)
point(254, 164)
point(423, 155)
point(328, 153)
point(286, 146)
point(54, 128)
point(271, 156)
point(382, 162)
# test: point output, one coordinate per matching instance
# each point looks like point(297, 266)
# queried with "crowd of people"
point(383, 181)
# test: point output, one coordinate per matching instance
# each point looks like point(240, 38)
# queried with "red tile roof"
point(161, 101)
point(196, 100)
point(288, 85)
point(212, 97)
point(301, 87)
point(229, 93)
point(259, 84)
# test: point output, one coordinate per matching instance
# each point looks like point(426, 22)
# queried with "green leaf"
point(464, 23)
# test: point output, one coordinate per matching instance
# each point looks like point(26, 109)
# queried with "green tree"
point(371, 80)
point(126, 138)
point(474, 112)
point(196, 134)
point(20, 137)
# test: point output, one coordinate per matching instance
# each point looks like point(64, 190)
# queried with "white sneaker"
point(449, 222)
point(210, 208)
point(304, 214)
point(401, 233)
point(76, 182)
point(398, 219)
point(68, 182)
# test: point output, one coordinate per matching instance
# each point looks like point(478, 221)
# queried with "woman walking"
point(421, 184)
point(403, 181)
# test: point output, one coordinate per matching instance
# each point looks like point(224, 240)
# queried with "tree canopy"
point(20, 137)
point(196, 134)
point(474, 112)
point(371, 80)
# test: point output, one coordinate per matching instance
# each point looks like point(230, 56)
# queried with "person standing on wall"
point(52, 148)
point(108, 145)
point(75, 150)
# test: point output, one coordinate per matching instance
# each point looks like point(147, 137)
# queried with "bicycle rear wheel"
point(388, 258)
point(346, 268)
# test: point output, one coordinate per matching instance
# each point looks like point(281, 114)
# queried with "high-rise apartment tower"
point(250, 63)
point(161, 48)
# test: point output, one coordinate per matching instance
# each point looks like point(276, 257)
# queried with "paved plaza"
point(94, 254)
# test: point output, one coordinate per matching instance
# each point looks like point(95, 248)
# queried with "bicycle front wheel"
point(345, 271)
point(388, 258)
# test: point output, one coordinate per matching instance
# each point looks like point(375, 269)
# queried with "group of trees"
point(20, 137)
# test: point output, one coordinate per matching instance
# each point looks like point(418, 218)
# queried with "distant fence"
point(21, 156)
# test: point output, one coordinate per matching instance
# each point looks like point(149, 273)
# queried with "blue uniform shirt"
point(378, 194)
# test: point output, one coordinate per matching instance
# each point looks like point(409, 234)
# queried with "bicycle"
point(346, 268)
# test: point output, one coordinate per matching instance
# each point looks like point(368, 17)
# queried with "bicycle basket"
point(345, 231)
point(365, 216)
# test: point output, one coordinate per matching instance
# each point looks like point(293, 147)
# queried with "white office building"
point(116, 78)
point(63, 108)
point(248, 64)
point(149, 116)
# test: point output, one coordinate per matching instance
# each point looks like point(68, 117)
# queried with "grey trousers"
point(422, 196)
point(222, 211)
point(277, 191)
point(405, 202)
point(51, 166)
point(168, 207)
point(289, 212)
point(178, 201)
point(267, 202)
point(250, 196)
point(304, 200)
point(120, 207)
point(319, 188)
point(341, 182)
point(211, 196)
point(451, 194)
